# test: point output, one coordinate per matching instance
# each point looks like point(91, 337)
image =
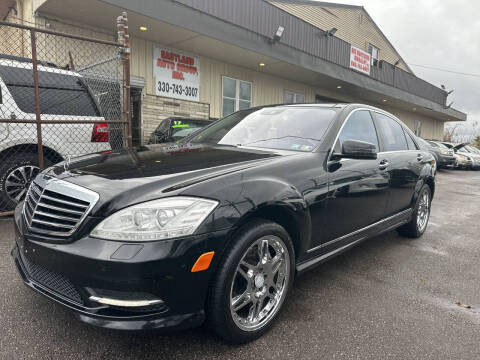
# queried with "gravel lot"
point(390, 297)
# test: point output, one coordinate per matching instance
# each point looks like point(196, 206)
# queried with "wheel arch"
point(295, 223)
point(50, 153)
point(431, 183)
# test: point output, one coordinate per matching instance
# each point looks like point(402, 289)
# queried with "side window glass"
point(410, 142)
point(359, 126)
point(393, 137)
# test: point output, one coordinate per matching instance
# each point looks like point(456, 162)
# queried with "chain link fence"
point(61, 96)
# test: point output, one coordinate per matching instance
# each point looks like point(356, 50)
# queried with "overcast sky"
point(437, 33)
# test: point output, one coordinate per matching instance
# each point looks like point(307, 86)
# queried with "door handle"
point(383, 164)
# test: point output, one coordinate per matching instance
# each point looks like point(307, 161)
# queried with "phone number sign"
point(177, 75)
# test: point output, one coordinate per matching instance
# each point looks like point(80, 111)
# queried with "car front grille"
point(51, 280)
point(56, 208)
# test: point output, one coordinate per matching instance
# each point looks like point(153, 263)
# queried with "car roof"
point(24, 65)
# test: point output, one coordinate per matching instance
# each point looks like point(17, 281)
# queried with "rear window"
point(60, 94)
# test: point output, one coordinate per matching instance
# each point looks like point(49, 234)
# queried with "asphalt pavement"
point(389, 298)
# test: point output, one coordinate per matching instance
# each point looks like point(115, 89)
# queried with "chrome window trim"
point(379, 111)
point(402, 125)
point(341, 128)
point(64, 188)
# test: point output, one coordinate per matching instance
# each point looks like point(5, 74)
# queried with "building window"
point(289, 97)
point(418, 128)
point(236, 95)
point(374, 53)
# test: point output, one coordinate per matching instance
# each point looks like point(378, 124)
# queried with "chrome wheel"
point(423, 212)
point(18, 181)
point(260, 283)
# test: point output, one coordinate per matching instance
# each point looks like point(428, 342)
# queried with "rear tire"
point(251, 282)
point(16, 173)
point(421, 214)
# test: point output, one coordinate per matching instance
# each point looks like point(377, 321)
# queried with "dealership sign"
point(359, 60)
point(177, 75)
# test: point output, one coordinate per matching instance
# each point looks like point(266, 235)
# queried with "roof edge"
point(356, 7)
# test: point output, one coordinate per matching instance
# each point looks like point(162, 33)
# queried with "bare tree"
point(450, 132)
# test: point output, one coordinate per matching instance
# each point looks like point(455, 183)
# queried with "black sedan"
point(217, 227)
point(176, 128)
point(444, 156)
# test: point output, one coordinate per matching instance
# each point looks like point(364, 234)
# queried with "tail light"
point(100, 132)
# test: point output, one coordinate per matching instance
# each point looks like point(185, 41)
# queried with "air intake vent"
point(56, 208)
point(55, 282)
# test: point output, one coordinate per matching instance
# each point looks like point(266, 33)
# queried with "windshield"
point(471, 149)
point(424, 143)
point(181, 133)
point(286, 128)
point(184, 127)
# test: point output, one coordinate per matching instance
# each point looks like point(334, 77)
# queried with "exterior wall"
point(431, 128)
point(353, 24)
point(266, 89)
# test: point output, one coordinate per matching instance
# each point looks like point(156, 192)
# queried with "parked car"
point(444, 156)
point(468, 157)
point(176, 128)
point(63, 96)
point(471, 153)
point(217, 226)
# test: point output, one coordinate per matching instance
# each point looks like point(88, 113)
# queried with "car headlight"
point(156, 220)
point(445, 151)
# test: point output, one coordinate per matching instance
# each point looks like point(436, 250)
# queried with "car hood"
point(458, 146)
point(155, 171)
point(469, 154)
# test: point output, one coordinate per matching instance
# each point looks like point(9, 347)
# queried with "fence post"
point(33, 39)
point(124, 38)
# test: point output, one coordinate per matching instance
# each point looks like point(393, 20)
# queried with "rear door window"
point(59, 94)
point(410, 142)
point(359, 126)
point(393, 137)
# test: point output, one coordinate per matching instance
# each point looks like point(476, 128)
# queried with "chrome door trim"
point(404, 212)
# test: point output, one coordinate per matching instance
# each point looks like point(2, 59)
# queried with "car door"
point(358, 188)
point(404, 162)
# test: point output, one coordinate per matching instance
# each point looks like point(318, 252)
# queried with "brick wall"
point(157, 108)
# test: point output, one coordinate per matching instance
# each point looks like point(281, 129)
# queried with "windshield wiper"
point(278, 138)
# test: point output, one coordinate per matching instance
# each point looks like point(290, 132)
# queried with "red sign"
point(177, 75)
point(360, 60)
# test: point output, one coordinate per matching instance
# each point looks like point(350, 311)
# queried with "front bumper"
point(71, 273)
point(445, 160)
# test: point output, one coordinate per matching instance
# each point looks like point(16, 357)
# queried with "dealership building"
point(208, 58)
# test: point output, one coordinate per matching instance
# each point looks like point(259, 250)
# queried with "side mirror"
point(355, 149)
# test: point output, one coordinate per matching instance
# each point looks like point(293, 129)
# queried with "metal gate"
point(61, 96)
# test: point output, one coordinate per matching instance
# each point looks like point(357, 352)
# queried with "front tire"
point(251, 282)
point(421, 214)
